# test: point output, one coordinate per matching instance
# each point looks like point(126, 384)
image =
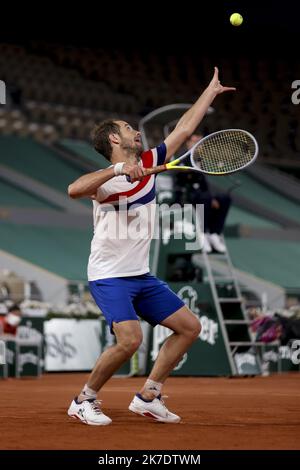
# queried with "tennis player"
point(118, 268)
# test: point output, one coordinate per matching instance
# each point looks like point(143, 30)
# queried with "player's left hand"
point(216, 86)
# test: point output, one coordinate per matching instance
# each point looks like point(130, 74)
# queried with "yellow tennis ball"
point(236, 19)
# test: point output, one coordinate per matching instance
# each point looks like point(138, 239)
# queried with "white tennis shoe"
point(216, 243)
point(206, 247)
point(155, 409)
point(89, 412)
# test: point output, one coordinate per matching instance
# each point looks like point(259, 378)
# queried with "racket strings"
point(224, 152)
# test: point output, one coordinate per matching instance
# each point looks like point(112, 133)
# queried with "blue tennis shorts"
point(126, 298)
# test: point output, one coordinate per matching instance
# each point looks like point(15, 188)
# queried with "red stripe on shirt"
point(147, 159)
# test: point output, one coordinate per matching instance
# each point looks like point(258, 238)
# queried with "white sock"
point(88, 392)
point(154, 387)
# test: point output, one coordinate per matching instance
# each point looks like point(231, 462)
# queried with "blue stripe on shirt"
point(161, 153)
point(145, 199)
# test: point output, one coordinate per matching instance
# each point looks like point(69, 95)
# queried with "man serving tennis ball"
point(118, 268)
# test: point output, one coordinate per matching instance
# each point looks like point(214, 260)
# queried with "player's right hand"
point(135, 172)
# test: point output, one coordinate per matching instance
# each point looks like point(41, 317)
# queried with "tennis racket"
point(219, 153)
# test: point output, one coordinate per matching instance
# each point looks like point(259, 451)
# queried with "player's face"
point(130, 138)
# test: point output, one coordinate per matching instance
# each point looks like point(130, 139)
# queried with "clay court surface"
point(217, 413)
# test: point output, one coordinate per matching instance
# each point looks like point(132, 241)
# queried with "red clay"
point(217, 413)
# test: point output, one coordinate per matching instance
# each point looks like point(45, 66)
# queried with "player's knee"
point(130, 345)
point(194, 330)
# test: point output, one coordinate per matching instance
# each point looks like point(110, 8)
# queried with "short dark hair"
point(100, 137)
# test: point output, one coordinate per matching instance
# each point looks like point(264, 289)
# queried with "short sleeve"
point(161, 153)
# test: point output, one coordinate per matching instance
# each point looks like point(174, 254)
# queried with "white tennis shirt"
point(124, 221)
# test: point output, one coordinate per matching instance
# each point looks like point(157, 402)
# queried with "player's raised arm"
point(192, 118)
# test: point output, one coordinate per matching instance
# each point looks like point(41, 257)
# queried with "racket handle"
point(155, 169)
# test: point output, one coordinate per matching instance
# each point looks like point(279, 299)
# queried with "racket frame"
point(173, 165)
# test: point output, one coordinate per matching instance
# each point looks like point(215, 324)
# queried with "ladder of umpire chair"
point(235, 328)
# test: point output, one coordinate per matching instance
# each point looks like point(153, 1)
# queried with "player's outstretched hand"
point(216, 86)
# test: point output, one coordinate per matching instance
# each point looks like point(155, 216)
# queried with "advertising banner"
point(72, 344)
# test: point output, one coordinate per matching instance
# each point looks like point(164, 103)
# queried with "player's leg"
point(85, 407)
point(186, 329)
point(160, 305)
point(148, 402)
point(129, 337)
point(114, 300)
